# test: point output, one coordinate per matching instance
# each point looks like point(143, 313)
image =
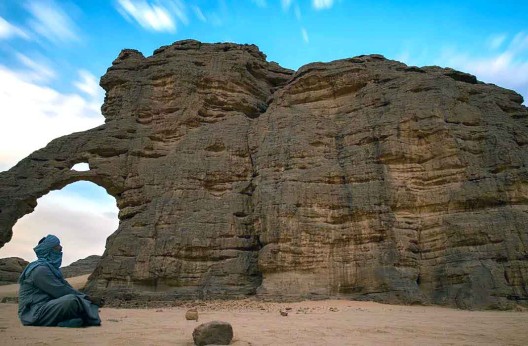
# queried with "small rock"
point(288, 308)
point(215, 332)
point(12, 300)
point(520, 308)
point(191, 314)
point(284, 313)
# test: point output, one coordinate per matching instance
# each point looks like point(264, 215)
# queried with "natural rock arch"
point(45, 170)
point(79, 214)
point(361, 178)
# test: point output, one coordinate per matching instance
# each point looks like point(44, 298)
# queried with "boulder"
point(10, 269)
point(81, 267)
point(213, 333)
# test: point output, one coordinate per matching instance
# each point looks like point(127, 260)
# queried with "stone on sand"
point(191, 314)
point(213, 333)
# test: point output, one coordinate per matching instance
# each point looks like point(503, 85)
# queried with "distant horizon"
point(53, 53)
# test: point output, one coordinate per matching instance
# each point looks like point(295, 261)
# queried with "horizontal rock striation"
point(10, 269)
point(361, 178)
point(81, 267)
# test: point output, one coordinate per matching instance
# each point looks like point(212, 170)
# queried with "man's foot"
point(73, 323)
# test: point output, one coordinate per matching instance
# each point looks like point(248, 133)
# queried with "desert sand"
point(328, 322)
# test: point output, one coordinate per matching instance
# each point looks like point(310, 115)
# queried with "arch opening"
point(81, 167)
point(82, 214)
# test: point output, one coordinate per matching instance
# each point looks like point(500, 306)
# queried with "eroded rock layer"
point(361, 178)
point(10, 269)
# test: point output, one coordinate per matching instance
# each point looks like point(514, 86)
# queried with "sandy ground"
point(328, 322)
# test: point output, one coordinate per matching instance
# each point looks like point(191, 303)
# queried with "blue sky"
point(52, 54)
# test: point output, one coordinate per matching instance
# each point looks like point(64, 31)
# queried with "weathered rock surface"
point(361, 178)
point(81, 267)
point(213, 333)
point(10, 269)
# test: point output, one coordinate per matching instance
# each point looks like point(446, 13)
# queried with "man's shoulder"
point(41, 269)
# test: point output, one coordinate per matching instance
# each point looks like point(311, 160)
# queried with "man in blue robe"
point(46, 299)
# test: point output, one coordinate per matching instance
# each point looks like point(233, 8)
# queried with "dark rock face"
point(81, 267)
point(10, 269)
point(361, 178)
point(213, 333)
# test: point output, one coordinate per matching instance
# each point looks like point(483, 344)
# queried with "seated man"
point(46, 299)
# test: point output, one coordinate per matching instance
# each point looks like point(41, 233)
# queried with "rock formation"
point(361, 178)
point(10, 269)
point(81, 267)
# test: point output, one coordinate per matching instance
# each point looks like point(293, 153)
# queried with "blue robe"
point(46, 299)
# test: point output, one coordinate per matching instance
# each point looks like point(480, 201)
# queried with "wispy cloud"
point(297, 11)
point(51, 22)
point(322, 4)
point(286, 4)
point(199, 14)
point(304, 34)
point(160, 16)
point(500, 59)
point(505, 64)
point(8, 30)
point(82, 224)
point(260, 3)
point(88, 84)
point(35, 71)
point(29, 106)
point(496, 41)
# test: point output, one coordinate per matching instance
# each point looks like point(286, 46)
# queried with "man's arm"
point(45, 280)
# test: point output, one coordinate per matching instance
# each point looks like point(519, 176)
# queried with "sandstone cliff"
point(361, 178)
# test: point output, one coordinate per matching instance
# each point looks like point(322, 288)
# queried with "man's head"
point(52, 240)
point(49, 249)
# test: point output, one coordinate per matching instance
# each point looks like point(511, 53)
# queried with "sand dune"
point(329, 322)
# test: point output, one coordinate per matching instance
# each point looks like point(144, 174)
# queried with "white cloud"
point(8, 30)
point(82, 224)
point(33, 114)
point(322, 4)
point(51, 22)
point(305, 35)
point(507, 67)
point(199, 14)
point(162, 16)
point(35, 71)
point(88, 84)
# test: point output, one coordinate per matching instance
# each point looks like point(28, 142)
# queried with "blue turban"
point(46, 255)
